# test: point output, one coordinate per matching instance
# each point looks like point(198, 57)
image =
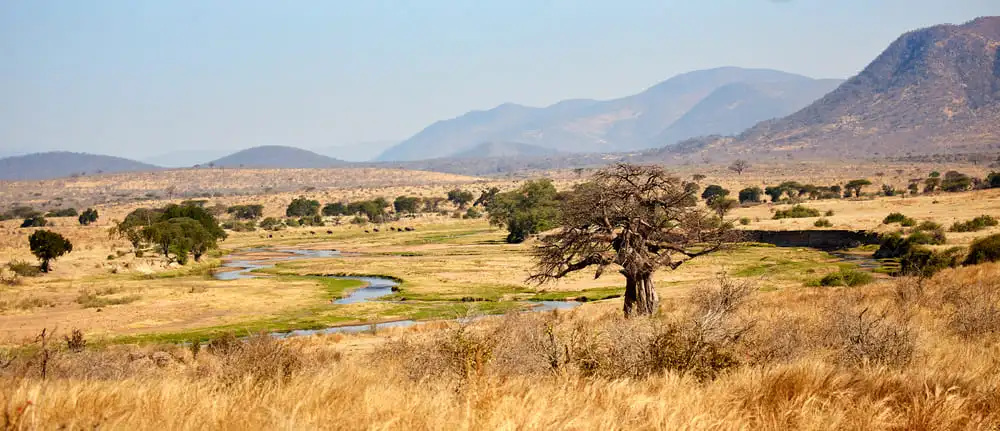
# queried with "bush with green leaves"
point(36, 221)
point(914, 259)
point(246, 212)
point(751, 195)
point(993, 180)
point(955, 181)
point(823, 223)
point(65, 212)
point(88, 216)
point(895, 218)
point(23, 269)
point(406, 205)
point(797, 211)
point(928, 237)
point(846, 278)
point(460, 198)
point(713, 193)
point(984, 250)
point(302, 207)
point(531, 209)
point(271, 224)
point(974, 225)
point(48, 246)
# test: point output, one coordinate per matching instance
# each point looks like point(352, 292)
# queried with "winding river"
point(241, 265)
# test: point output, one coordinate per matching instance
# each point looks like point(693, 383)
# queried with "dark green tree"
point(48, 246)
point(406, 205)
point(246, 212)
point(334, 209)
point(854, 187)
point(88, 216)
point(955, 181)
point(36, 221)
point(713, 193)
point(486, 197)
point(774, 192)
point(526, 211)
point(460, 198)
point(301, 207)
point(750, 195)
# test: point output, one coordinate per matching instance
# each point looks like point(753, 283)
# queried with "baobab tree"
point(635, 218)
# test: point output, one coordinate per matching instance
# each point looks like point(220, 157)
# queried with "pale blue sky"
point(137, 78)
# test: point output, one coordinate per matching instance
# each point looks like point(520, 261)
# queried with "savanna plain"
point(753, 336)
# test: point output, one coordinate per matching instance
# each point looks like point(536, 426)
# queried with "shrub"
point(797, 211)
point(259, 360)
point(828, 213)
point(36, 221)
point(864, 336)
point(847, 278)
point(88, 216)
point(272, 224)
point(928, 226)
point(472, 212)
point(246, 212)
point(744, 221)
point(894, 218)
point(301, 207)
point(984, 250)
point(976, 224)
point(924, 262)
point(714, 192)
point(955, 181)
point(65, 212)
point(908, 222)
point(23, 269)
point(750, 195)
point(75, 341)
point(932, 237)
point(822, 223)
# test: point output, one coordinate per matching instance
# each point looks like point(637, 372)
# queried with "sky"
point(137, 78)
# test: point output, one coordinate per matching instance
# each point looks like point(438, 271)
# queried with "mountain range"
point(732, 98)
point(933, 91)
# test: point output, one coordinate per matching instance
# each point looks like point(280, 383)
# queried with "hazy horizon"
point(146, 78)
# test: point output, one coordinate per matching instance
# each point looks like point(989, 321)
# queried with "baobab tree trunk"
point(640, 296)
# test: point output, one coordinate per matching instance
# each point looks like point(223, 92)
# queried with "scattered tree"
point(713, 193)
point(335, 209)
point(406, 205)
point(739, 166)
point(246, 212)
point(750, 195)
point(460, 198)
point(526, 211)
point(955, 181)
point(48, 246)
point(35, 221)
point(637, 218)
point(301, 207)
point(854, 187)
point(88, 216)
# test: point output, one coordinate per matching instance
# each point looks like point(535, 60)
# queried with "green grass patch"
point(593, 294)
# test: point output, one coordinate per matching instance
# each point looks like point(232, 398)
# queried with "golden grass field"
point(793, 368)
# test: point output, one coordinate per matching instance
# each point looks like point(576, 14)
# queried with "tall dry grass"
point(914, 355)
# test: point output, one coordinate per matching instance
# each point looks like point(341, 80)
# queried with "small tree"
point(460, 198)
point(406, 204)
point(774, 192)
point(36, 221)
point(854, 187)
point(301, 207)
point(88, 216)
point(48, 246)
point(486, 197)
point(335, 209)
point(713, 193)
point(955, 181)
point(246, 212)
point(750, 195)
point(526, 211)
point(739, 166)
point(636, 218)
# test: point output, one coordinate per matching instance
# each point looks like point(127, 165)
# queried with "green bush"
point(895, 218)
point(976, 224)
point(744, 221)
point(922, 261)
point(23, 269)
point(828, 213)
point(928, 226)
point(823, 223)
point(932, 237)
point(797, 211)
point(846, 277)
point(984, 250)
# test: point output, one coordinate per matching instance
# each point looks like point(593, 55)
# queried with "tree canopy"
point(526, 211)
point(48, 246)
point(635, 218)
point(301, 207)
point(88, 216)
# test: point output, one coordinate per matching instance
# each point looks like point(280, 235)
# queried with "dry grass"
point(539, 372)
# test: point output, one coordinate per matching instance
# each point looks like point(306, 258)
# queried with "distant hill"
point(57, 164)
point(357, 152)
point(735, 107)
point(184, 158)
point(933, 91)
point(633, 122)
point(276, 156)
point(503, 149)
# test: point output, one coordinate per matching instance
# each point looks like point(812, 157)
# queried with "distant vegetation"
point(797, 211)
point(531, 209)
point(179, 231)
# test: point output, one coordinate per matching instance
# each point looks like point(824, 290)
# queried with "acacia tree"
point(47, 246)
point(635, 218)
point(739, 166)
